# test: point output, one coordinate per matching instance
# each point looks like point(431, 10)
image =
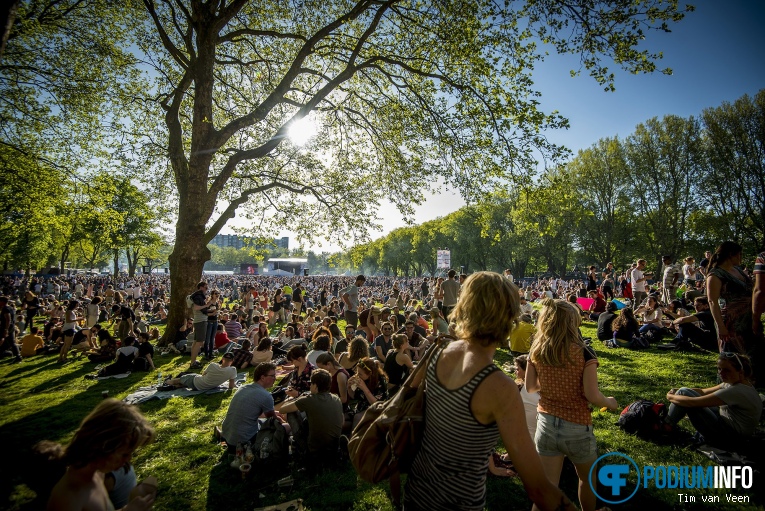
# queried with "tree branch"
point(262, 110)
point(179, 57)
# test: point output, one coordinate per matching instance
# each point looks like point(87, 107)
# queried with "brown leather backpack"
point(390, 432)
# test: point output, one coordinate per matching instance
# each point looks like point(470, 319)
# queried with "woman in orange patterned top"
point(564, 372)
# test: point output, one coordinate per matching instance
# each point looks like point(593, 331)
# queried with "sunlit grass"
point(42, 400)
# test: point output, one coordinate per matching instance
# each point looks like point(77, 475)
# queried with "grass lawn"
point(41, 400)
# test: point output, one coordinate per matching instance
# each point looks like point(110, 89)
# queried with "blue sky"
point(714, 56)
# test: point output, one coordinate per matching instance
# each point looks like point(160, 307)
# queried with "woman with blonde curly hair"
point(564, 372)
point(470, 405)
point(104, 442)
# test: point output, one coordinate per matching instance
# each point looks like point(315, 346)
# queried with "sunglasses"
point(731, 354)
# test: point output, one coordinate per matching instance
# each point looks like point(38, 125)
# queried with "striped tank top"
point(449, 471)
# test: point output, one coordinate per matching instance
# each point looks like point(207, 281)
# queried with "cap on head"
point(228, 355)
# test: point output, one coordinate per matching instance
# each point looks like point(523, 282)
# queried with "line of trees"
point(48, 220)
point(676, 186)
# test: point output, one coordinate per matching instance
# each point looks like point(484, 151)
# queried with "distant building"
point(239, 242)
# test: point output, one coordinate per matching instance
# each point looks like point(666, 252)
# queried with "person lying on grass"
point(214, 375)
point(104, 442)
point(726, 414)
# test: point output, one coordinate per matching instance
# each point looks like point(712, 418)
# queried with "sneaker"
point(17, 360)
point(196, 365)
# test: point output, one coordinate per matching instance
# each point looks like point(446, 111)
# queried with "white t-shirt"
point(530, 402)
point(353, 297)
point(742, 408)
point(214, 376)
point(635, 276)
point(313, 355)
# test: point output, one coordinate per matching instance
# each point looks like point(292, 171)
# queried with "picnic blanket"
point(121, 375)
point(144, 394)
point(292, 505)
point(723, 457)
point(281, 372)
point(619, 304)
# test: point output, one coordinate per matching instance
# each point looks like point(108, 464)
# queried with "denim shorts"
point(556, 437)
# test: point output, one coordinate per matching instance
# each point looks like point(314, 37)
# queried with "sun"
point(301, 131)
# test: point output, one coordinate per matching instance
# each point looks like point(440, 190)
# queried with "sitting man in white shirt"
point(527, 308)
point(213, 376)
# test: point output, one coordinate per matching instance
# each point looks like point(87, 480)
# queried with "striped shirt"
point(759, 264)
point(449, 471)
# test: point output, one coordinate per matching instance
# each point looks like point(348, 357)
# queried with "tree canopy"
point(403, 95)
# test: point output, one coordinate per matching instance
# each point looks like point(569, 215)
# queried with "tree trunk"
point(186, 263)
point(116, 258)
point(64, 256)
point(132, 262)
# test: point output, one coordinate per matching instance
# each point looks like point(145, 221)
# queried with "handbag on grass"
point(390, 432)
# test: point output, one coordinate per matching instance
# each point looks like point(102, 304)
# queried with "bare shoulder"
point(496, 382)
point(496, 393)
point(68, 497)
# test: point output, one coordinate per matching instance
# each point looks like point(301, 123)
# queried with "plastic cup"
point(245, 468)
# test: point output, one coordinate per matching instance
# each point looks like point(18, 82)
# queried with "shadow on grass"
point(20, 436)
point(58, 382)
point(332, 490)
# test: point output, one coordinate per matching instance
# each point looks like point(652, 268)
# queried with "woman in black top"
point(398, 363)
point(625, 325)
point(146, 349)
point(32, 305)
point(592, 280)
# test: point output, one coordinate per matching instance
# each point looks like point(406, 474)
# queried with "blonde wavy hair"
point(557, 330)
point(487, 310)
point(111, 426)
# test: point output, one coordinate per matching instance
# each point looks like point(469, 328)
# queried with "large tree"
point(600, 175)
point(665, 158)
point(403, 94)
point(65, 77)
point(734, 185)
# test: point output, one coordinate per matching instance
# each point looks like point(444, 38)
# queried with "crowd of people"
point(334, 376)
